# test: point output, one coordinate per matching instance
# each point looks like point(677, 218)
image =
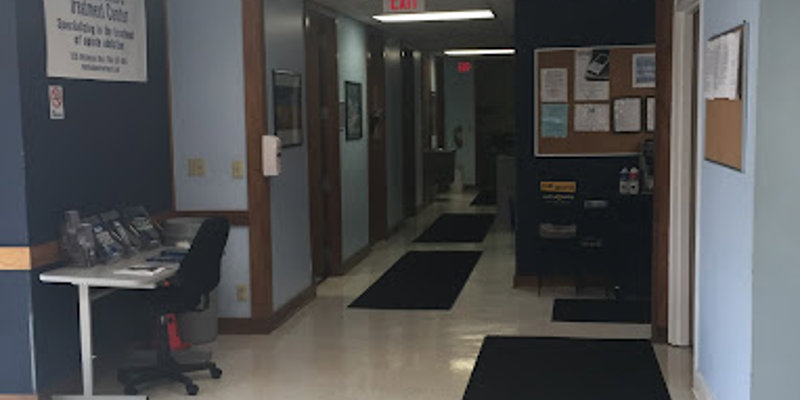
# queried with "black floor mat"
point(458, 228)
point(611, 311)
point(430, 280)
point(485, 198)
point(516, 368)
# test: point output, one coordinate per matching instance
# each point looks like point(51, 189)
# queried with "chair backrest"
point(200, 269)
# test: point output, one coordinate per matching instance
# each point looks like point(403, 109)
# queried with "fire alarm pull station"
point(271, 154)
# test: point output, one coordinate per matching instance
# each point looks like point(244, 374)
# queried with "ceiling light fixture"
point(436, 16)
point(480, 52)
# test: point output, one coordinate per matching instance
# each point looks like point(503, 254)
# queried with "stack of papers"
point(142, 270)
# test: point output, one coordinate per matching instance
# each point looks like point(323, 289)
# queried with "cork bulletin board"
point(725, 115)
point(605, 142)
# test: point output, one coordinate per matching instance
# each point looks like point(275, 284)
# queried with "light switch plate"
point(238, 169)
point(241, 293)
point(197, 167)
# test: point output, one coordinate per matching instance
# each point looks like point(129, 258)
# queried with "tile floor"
point(330, 352)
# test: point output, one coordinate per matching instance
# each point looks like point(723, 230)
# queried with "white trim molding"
point(681, 157)
point(699, 388)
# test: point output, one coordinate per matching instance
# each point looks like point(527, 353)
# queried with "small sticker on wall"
point(56, 95)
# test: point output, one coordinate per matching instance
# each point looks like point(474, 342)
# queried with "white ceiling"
point(439, 35)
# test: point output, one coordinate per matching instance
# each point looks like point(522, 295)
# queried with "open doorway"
point(376, 108)
point(684, 165)
point(322, 96)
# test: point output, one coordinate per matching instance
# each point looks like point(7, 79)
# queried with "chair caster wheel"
point(192, 390)
point(216, 373)
point(131, 391)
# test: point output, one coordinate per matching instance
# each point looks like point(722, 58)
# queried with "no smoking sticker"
point(56, 95)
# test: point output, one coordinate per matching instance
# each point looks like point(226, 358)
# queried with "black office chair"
point(187, 291)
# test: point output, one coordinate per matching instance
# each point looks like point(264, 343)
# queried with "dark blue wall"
point(113, 147)
point(15, 345)
point(14, 226)
point(566, 23)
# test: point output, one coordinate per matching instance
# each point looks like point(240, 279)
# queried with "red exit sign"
point(403, 6)
point(464, 67)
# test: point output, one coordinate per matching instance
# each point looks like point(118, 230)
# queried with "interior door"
point(322, 96)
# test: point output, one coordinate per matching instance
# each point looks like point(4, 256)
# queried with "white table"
point(104, 280)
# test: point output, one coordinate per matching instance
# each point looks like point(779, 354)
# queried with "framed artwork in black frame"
point(287, 100)
point(354, 107)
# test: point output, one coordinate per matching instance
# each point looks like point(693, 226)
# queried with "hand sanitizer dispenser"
point(271, 154)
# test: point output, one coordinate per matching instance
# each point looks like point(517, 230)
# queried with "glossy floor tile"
point(330, 352)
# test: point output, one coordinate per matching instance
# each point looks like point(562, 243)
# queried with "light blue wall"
point(394, 133)
point(459, 110)
point(776, 278)
point(207, 78)
point(207, 102)
point(725, 269)
point(352, 40)
point(291, 249)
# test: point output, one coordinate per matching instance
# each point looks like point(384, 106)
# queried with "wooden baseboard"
point(251, 326)
point(700, 388)
point(20, 397)
point(521, 281)
point(660, 334)
point(354, 260)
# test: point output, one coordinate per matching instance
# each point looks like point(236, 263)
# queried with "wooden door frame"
point(258, 188)
point(409, 131)
point(665, 10)
point(330, 128)
point(376, 110)
point(440, 101)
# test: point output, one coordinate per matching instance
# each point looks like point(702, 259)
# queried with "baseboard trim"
point(699, 387)
point(355, 259)
point(660, 334)
point(265, 326)
point(522, 281)
point(19, 397)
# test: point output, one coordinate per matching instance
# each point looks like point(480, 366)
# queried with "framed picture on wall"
point(287, 93)
point(354, 128)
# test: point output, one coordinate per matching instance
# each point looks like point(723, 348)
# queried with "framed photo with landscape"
point(287, 96)
point(354, 126)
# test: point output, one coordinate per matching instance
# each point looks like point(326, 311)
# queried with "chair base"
point(167, 369)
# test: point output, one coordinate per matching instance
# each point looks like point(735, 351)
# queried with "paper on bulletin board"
point(628, 115)
point(554, 85)
point(651, 114)
point(101, 40)
point(591, 75)
point(555, 121)
point(644, 70)
point(592, 118)
point(723, 60)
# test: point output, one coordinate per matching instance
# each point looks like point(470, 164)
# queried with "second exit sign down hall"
point(403, 6)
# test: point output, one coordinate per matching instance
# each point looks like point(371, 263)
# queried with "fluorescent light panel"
point(464, 15)
point(480, 52)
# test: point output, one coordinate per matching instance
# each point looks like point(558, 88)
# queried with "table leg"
point(85, 302)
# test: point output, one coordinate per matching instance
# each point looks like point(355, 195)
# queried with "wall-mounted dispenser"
point(271, 155)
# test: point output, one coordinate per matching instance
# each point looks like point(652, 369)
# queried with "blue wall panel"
point(113, 147)
point(549, 23)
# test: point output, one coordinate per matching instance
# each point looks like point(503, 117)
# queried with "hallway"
point(328, 351)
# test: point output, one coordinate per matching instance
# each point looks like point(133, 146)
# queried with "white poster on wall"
point(96, 39)
point(592, 75)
